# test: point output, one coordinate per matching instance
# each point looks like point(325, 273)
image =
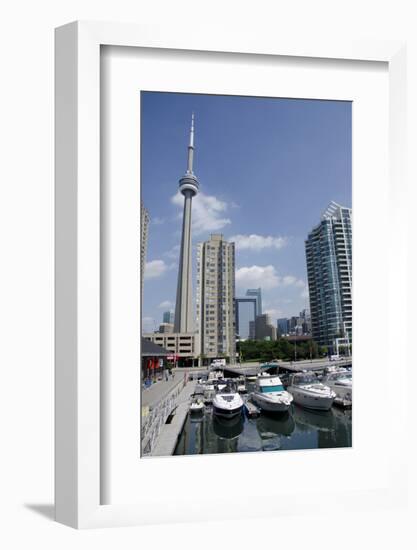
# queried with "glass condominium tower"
point(256, 293)
point(329, 271)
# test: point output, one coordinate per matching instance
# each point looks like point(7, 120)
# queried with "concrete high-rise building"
point(216, 298)
point(245, 311)
point(264, 329)
point(168, 317)
point(256, 293)
point(188, 186)
point(144, 229)
point(329, 270)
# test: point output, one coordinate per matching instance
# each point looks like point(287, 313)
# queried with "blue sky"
point(267, 169)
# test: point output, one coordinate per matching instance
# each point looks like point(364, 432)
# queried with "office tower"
point(188, 186)
point(329, 269)
point(256, 293)
point(144, 228)
point(252, 330)
point(168, 317)
point(305, 320)
point(216, 298)
point(264, 330)
point(283, 326)
point(245, 311)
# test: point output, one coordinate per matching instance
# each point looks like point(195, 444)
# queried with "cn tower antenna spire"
point(191, 147)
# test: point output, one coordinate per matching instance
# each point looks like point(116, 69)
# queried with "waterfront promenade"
point(155, 394)
point(162, 400)
point(170, 432)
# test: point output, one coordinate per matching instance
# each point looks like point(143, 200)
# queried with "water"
point(300, 428)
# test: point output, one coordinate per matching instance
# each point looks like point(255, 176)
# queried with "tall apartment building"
point(256, 293)
point(215, 300)
point(144, 229)
point(329, 270)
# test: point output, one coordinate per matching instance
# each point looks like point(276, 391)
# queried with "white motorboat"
point(227, 403)
point(241, 386)
point(270, 395)
point(309, 392)
point(197, 405)
point(340, 381)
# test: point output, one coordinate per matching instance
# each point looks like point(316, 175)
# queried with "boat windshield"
point(305, 379)
point(270, 389)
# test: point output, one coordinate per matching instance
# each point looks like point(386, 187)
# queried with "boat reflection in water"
point(300, 428)
point(272, 428)
point(282, 424)
point(317, 420)
point(228, 428)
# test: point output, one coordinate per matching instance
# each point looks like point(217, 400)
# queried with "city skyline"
point(268, 220)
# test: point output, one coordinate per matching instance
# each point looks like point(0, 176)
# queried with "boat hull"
point(270, 405)
point(227, 413)
point(195, 410)
point(311, 401)
point(343, 391)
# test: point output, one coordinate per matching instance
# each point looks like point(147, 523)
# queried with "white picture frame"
point(78, 405)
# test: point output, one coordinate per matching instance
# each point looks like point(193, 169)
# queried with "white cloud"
point(166, 304)
point(154, 269)
point(275, 314)
point(174, 253)
point(207, 213)
point(290, 280)
point(157, 221)
point(257, 276)
point(257, 242)
point(265, 277)
point(305, 293)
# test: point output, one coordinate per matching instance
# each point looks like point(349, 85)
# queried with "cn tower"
point(188, 186)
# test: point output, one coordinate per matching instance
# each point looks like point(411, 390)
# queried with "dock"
point(171, 430)
point(251, 409)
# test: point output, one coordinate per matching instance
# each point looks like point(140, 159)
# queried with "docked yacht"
point(197, 405)
point(227, 403)
point(340, 381)
point(270, 395)
point(241, 386)
point(309, 392)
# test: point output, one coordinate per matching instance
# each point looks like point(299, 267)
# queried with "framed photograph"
point(215, 200)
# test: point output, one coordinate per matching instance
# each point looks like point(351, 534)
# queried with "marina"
point(270, 407)
point(298, 429)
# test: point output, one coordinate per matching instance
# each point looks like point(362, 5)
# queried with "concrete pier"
point(157, 403)
point(168, 436)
